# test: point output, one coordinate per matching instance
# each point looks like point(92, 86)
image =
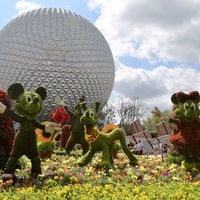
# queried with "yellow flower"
point(175, 178)
point(188, 166)
point(73, 179)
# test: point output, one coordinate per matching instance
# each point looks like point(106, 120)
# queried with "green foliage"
point(44, 147)
point(21, 163)
point(150, 123)
point(117, 146)
point(174, 158)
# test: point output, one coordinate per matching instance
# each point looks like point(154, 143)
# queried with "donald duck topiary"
point(46, 141)
point(28, 105)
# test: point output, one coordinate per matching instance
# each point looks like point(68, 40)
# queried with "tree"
point(150, 123)
point(107, 115)
point(129, 110)
point(126, 110)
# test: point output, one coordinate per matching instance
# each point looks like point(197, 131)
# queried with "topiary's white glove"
point(60, 102)
point(53, 128)
point(2, 108)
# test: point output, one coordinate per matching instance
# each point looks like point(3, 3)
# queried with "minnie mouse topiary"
point(28, 105)
point(186, 139)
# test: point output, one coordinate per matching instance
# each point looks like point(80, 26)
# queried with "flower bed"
point(62, 179)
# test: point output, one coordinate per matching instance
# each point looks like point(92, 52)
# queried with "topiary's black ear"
point(15, 90)
point(84, 106)
point(174, 99)
point(42, 92)
point(97, 105)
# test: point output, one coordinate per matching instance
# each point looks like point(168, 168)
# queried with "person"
point(160, 148)
point(165, 149)
point(155, 148)
point(130, 146)
point(140, 147)
point(136, 148)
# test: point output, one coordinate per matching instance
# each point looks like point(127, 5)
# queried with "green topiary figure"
point(28, 105)
point(7, 131)
point(102, 142)
point(186, 139)
point(76, 130)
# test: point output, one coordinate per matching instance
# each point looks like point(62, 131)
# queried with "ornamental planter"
point(46, 154)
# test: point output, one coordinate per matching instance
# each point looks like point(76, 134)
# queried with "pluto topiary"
point(102, 142)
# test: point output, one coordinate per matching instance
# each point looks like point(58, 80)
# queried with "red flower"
point(59, 115)
point(58, 118)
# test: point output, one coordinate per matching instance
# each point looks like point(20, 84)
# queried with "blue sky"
point(155, 44)
point(10, 7)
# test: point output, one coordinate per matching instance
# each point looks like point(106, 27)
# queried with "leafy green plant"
point(44, 147)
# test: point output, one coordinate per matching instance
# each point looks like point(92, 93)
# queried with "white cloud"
point(159, 31)
point(25, 6)
point(155, 87)
point(156, 30)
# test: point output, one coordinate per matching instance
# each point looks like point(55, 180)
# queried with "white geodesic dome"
point(59, 50)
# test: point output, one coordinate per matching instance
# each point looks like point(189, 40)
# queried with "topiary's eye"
point(91, 114)
point(29, 98)
point(193, 106)
point(186, 106)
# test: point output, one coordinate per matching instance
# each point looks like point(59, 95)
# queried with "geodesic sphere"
point(59, 50)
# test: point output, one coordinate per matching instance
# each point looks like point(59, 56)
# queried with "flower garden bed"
point(62, 179)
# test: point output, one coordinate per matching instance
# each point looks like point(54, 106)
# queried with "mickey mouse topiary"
point(28, 105)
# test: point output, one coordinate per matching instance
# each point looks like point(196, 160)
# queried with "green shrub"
point(44, 147)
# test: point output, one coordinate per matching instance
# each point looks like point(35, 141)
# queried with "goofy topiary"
point(28, 105)
point(76, 129)
point(101, 142)
point(186, 139)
